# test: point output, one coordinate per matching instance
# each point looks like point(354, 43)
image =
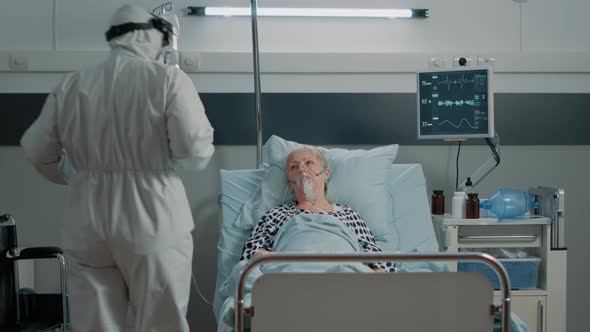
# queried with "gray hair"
point(315, 151)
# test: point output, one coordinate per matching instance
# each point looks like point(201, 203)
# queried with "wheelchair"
point(23, 310)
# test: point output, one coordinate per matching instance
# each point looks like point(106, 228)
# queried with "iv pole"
point(257, 94)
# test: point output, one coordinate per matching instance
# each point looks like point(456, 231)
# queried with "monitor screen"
point(455, 103)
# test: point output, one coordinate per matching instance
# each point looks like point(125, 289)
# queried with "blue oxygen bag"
point(509, 203)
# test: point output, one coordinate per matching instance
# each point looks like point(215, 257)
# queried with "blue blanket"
point(302, 233)
point(317, 233)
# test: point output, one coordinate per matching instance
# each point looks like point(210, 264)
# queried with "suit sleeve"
point(190, 135)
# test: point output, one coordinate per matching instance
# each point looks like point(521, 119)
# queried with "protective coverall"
point(124, 126)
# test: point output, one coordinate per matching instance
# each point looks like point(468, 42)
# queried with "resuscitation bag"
point(509, 203)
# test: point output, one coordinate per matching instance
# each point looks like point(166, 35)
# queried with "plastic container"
point(438, 202)
point(472, 206)
point(468, 186)
point(523, 272)
point(458, 204)
point(509, 203)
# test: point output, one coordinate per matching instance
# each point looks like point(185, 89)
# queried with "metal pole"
point(257, 96)
point(64, 293)
point(298, 257)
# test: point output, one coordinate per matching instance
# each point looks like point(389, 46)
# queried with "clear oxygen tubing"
point(295, 182)
point(193, 274)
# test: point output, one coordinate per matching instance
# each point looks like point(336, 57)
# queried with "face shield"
point(170, 53)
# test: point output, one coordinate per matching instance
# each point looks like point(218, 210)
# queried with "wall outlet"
point(18, 62)
point(435, 62)
point(485, 61)
point(190, 62)
point(462, 61)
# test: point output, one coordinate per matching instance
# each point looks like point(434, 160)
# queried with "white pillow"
point(358, 179)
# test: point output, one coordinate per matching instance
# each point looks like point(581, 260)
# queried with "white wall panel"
point(81, 25)
point(475, 26)
point(453, 26)
point(556, 25)
point(26, 24)
point(467, 25)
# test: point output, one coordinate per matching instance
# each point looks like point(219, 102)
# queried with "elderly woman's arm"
point(262, 236)
point(367, 241)
point(371, 246)
point(259, 238)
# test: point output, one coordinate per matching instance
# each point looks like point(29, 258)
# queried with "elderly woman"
point(308, 172)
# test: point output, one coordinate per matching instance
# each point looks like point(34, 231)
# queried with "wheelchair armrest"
point(39, 252)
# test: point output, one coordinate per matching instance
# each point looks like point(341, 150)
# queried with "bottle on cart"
point(472, 206)
point(509, 203)
point(438, 202)
point(458, 204)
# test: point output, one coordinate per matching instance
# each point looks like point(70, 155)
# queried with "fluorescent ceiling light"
point(310, 12)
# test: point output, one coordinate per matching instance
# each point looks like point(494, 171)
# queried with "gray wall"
point(364, 56)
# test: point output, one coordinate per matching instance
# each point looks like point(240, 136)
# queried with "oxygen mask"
point(306, 179)
point(305, 172)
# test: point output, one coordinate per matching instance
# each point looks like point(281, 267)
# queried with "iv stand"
point(488, 166)
point(257, 95)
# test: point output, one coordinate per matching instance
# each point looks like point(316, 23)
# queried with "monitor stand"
point(488, 166)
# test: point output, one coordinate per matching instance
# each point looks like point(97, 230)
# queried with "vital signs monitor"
point(455, 103)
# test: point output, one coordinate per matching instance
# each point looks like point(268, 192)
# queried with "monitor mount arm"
point(488, 166)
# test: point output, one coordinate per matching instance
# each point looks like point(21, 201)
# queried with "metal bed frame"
point(293, 257)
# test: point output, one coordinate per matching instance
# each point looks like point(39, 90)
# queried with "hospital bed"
point(429, 298)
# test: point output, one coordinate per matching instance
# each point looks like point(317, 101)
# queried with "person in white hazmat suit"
point(124, 126)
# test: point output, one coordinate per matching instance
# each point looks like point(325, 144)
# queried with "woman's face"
point(302, 162)
point(304, 165)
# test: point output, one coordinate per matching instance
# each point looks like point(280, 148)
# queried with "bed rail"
point(367, 257)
